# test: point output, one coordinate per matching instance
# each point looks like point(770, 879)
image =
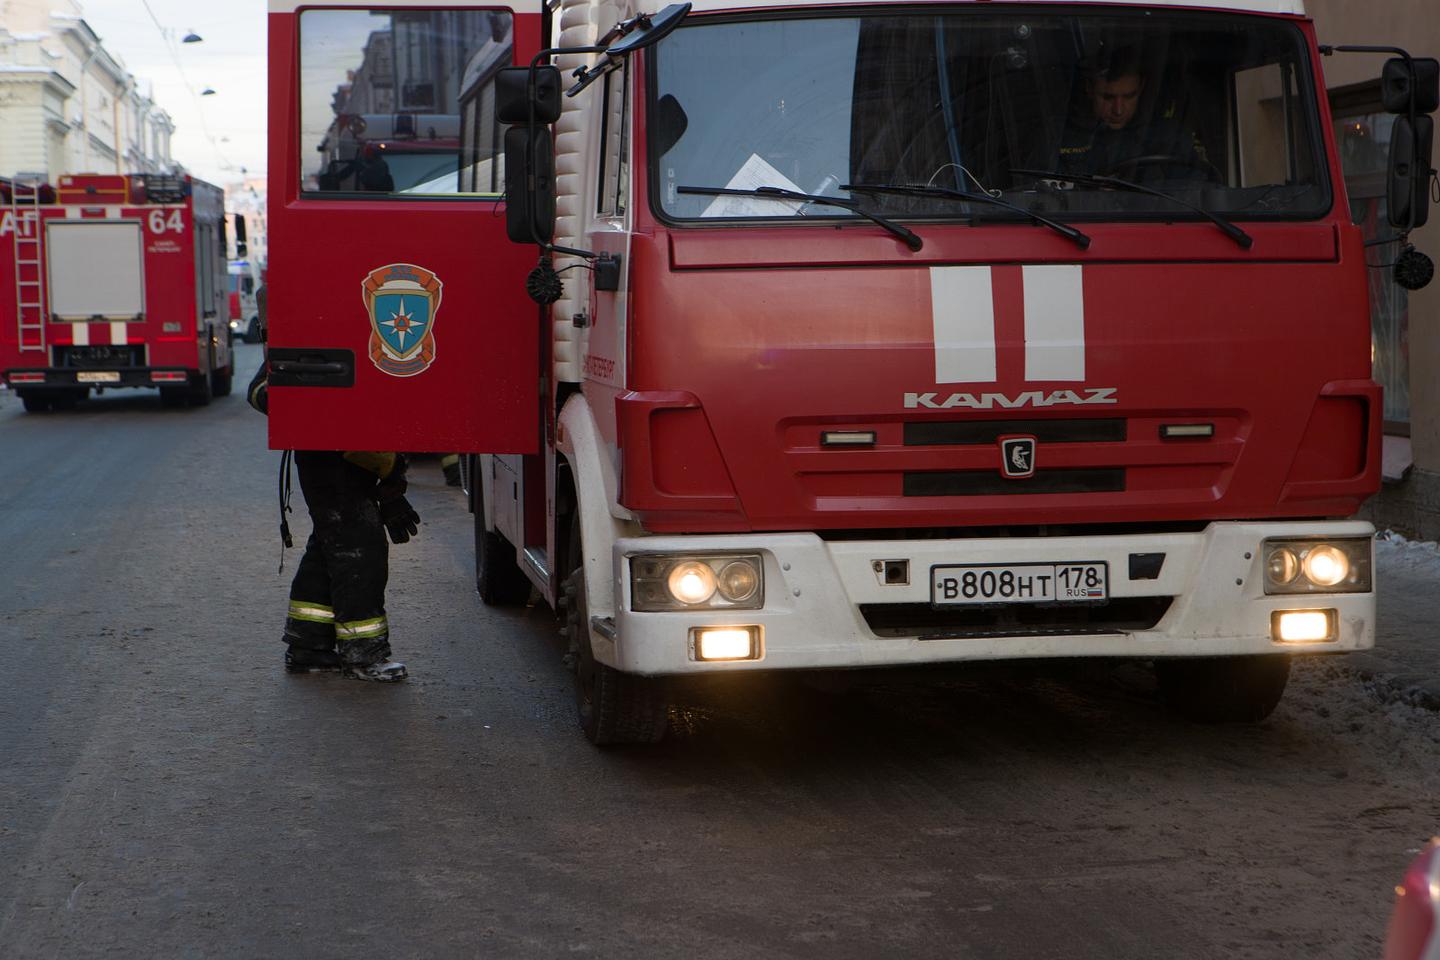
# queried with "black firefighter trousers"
point(337, 600)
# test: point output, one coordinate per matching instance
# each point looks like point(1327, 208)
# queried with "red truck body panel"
point(182, 308)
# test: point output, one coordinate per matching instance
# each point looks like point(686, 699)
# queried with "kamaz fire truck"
point(113, 281)
point(870, 335)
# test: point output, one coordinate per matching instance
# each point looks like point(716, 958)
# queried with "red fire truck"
point(113, 281)
point(870, 335)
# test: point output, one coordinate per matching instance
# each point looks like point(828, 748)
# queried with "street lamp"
point(207, 92)
point(192, 37)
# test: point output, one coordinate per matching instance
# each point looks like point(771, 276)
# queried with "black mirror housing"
point(1396, 88)
point(512, 94)
point(1408, 184)
point(530, 184)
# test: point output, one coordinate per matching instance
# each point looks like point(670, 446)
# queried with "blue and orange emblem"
point(402, 300)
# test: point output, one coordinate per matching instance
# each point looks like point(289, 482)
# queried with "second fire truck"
point(113, 281)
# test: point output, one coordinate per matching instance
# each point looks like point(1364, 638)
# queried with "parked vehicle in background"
point(113, 281)
point(244, 277)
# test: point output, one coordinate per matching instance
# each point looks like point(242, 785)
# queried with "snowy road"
point(165, 790)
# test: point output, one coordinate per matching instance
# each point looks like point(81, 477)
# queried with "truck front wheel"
point(1223, 689)
point(613, 707)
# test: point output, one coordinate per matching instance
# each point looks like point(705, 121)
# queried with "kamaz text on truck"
point(870, 335)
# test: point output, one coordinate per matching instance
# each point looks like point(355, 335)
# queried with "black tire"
point(222, 380)
point(34, 402)
point(173, 397)
point(201, 388)
point(498, 580)
point(1223, 689)
point(613, 707)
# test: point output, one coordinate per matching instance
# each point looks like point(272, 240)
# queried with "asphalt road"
point(167, 791)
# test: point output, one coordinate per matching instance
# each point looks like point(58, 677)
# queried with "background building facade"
point(67, 104)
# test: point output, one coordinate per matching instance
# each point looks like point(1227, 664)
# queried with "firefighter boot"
point(307, 660)
point(382, 671)
point(450, 467)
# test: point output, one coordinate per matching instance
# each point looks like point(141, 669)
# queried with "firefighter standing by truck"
point(336, 619)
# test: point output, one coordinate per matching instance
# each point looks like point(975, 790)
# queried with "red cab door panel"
point(397, 312)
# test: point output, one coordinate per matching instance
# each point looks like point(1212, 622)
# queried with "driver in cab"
point(1112, 140)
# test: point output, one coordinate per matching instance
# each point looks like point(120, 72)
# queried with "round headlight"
point(1326, 566)
point(739, 581)
point(1283, 566)
point(691, 582)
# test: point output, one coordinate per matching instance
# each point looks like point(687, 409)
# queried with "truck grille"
point(924, 622)
point(958, 432)
point(978, 483)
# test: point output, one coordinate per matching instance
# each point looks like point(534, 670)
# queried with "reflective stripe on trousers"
point(311, 612)
point(362, 629)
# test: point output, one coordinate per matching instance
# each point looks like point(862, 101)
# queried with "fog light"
point(1326, 566)
point(1302, 626)
point(692, 582)
point(726, 643)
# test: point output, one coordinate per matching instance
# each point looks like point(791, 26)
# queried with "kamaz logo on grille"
point(1017, 457)
point(1030, 398)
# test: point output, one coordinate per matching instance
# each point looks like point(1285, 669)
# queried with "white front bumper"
point(814, 590)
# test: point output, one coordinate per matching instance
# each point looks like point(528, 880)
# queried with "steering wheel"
point(1128, 169)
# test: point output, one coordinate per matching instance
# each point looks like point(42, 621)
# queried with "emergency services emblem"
point(402, 301)
point(1017, 457)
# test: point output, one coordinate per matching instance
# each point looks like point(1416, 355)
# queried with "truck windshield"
point(1215, 110)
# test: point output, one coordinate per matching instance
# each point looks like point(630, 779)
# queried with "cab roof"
point(1283, 7)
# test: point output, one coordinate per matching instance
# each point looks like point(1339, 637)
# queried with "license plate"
point(97, 376)
point(1019, 583)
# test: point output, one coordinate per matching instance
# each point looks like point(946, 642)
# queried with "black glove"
point(400, 519)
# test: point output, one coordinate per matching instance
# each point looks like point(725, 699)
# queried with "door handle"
point(311, 367)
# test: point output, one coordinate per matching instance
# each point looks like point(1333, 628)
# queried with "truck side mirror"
point(512, 95)
point(529, 184)
point(1408, 184)
point(240, 244)
point(1397, 86)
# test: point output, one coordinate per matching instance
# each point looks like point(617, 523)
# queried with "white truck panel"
point(96, 268)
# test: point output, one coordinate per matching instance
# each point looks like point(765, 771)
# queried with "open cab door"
point(397, 312)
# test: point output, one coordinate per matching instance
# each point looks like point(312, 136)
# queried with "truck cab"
point(888, 335)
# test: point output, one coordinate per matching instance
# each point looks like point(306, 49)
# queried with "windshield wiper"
point(780, 193)
point(1231, 231)
point(924, 190)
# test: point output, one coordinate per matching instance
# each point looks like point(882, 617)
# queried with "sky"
point(219, 138)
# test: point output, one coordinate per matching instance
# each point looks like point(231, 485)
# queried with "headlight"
point(727, 582)
point(1317, 566)
point(691, 582)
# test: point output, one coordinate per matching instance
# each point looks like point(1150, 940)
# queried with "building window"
point(1362, 135)
point(401, 102)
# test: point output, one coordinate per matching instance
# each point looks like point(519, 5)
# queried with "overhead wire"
point(166, 38)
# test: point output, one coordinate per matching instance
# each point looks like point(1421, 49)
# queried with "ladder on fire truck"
point(25, 235)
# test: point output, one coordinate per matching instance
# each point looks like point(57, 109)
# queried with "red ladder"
point(29, 285)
